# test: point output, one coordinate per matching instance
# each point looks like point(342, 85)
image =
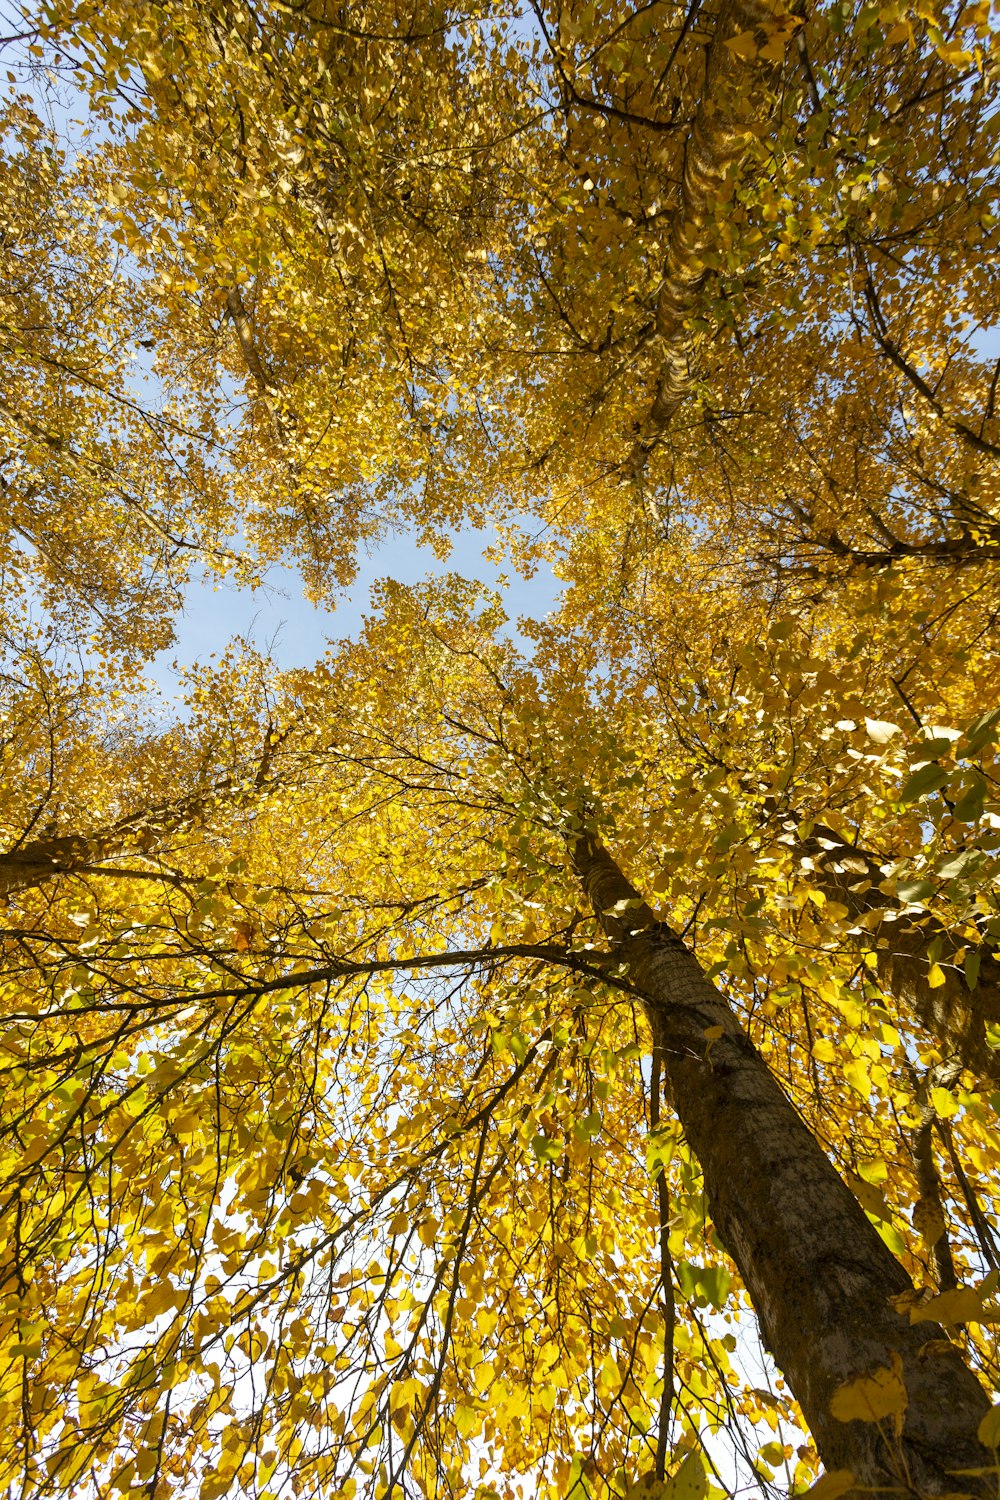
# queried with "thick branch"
point(251, 358)
point(34, 863)
point(897, 358)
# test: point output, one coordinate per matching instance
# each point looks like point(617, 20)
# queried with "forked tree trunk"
point(820, 1278)
point(953, 1011)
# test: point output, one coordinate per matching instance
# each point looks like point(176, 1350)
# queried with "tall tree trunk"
point(952, 1011)
point(929, 1211)
point(820, 1278)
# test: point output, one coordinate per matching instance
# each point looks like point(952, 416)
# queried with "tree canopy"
point(479, 1065)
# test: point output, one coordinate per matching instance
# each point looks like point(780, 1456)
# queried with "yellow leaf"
point(689, 1481)
point(427, 1232)
point(869, 1398)
point(944, 1102)
point(857, 1075)
point(963, 1305)
point(160, 1300)
point(467, 1420)
point(935, 976)
point(989, 1429)
point(928, 1221)
point(881, 731)
point(830, 1486)
point(775, 48)
point(870, 1197)
point(687, 1484)
point(901, 32)
point(743, 44)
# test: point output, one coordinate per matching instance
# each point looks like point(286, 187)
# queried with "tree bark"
point(43, 859)
point(951, 1011)
point(820, 1278)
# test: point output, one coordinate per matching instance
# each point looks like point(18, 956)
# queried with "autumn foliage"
point(560, 1061)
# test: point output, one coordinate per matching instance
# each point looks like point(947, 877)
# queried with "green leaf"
point(518, 1046)
point(914, 890)
point(981, 732)
point(973, 959)
point(577, 1486)
point(587, 1128)
point(546, 1149)
point(928, 779)
point(727, 837)
point(659, 1150)
point(716, 1281)
point(969, 808)
point(924, 750)
point(958, 864)
point(709, 1283)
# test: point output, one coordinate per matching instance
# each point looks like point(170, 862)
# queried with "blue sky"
point(294, 632)
point(279, 620)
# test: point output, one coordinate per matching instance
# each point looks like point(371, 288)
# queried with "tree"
point(441, 1129)
point(337, 1156)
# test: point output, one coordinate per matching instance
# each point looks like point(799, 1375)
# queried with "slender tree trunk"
point(820, 1278)
point(32, 864)
point(952, 1011)
point(43, 859)
point(929, 1213)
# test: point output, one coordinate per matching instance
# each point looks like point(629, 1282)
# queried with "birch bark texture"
point(821, 1280)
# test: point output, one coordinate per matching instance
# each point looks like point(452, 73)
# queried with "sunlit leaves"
point(325, 1099)
point(870, 1398)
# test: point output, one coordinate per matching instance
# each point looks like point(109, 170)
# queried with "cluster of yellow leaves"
point(297, 1195)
